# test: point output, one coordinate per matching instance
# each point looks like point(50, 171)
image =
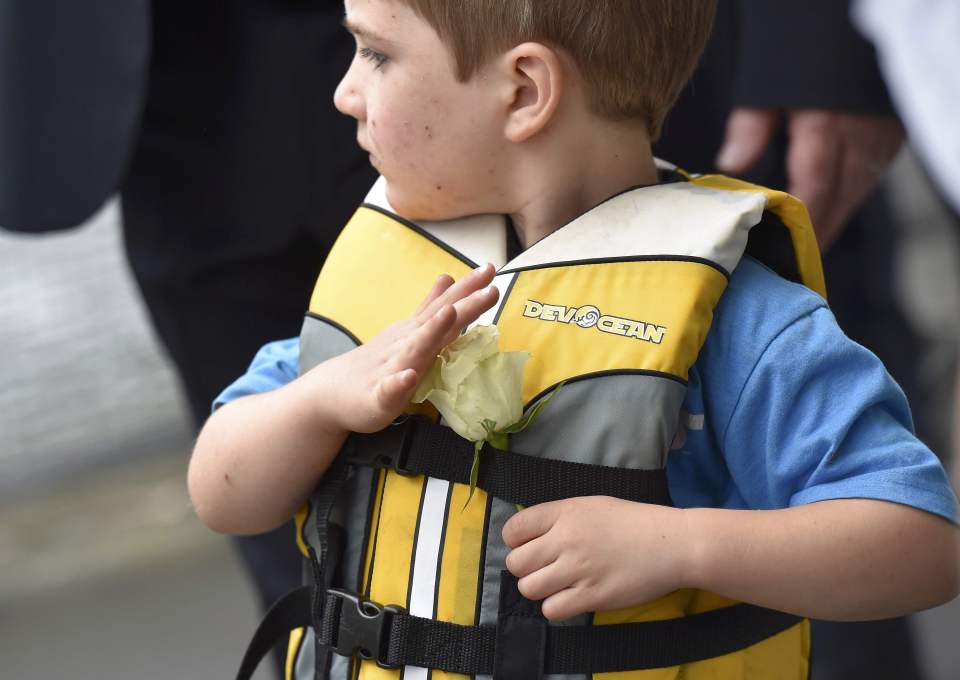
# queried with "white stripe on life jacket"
point(423, 585)
point(503, 282)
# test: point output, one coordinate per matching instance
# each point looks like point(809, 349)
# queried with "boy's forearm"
point(841, 559)
point(257, 459)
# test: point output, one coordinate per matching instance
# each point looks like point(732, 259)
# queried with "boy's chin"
point(419, 209)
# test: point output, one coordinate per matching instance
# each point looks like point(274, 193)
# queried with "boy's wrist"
point(675, 535)
point(696, 555)
point(319, 401)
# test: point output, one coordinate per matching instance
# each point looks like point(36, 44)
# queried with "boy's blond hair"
point(634, 55)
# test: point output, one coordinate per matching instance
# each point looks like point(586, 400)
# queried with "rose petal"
point(461, 356)
point(472, 381)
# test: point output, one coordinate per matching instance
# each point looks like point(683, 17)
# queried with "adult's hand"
point(834, 158)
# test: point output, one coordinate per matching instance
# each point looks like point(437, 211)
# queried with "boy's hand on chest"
point(365, 389)
point(596, 553)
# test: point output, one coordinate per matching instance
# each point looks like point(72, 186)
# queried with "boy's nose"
point(347, 98)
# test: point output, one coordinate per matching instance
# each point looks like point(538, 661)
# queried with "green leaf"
point(532, 414)
point(474, 472)
point(499, 439)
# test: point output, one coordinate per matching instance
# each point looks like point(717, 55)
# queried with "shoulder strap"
point(794, 216)
point(294, 610)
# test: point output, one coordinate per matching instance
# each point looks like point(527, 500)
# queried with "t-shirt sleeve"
point(275, 365)
point(818, 417)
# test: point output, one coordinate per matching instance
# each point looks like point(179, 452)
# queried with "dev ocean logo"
point(589, 316)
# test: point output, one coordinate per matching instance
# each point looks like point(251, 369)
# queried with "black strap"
point(304, 606)
point(471, 650)
point(417, 446)
point(521, 646)
point(326, 557)
point(293, 610)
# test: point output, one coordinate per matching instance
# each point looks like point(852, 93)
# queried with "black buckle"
point(364, 627)
point(383, 450)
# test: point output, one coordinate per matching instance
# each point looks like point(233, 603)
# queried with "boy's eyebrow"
point(362, 32)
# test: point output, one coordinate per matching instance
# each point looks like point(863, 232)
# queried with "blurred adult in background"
point(918, 46)
point(793, 98)
point(214, 120)
point(918, 51)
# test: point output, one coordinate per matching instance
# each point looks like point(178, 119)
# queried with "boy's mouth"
point(373, 158)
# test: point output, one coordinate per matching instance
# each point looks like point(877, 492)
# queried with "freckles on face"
point(411, 124)
point(428, 134)
point(448, 166)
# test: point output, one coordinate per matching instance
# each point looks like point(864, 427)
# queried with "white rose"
point(472, 381)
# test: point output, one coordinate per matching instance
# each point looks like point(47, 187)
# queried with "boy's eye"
point(378, 59)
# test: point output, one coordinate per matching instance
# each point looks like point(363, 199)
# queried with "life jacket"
point(405, 573)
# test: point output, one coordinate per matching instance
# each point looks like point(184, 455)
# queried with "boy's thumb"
point(749, 132)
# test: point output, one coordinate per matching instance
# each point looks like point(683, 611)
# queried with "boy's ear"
point(536, 78)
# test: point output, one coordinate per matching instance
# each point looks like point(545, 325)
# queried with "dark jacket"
point(214, 118)
point(776, 55)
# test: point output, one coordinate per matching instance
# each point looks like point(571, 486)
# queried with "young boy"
point(796, 483)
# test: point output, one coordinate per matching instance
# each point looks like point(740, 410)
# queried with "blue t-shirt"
point(782, 409)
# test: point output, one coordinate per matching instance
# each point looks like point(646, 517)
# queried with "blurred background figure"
point(213, 121)
point(793, 98)
point(917, 46)
point(917, 43)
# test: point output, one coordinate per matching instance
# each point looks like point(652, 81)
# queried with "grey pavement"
point(84, 380)
point(104, 570)
point(111, 576)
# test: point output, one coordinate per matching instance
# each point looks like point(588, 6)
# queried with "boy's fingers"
point(443, 282)
point(429, 339)
point(543, 583)
point(531, 556)
point(527, 524)
point(394, 391)
point(564, 604)
point(445, 325)
point(471, 307)
point(421, 348)
point(475, 280)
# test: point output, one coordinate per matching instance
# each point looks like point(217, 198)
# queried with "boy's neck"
point(567, 174)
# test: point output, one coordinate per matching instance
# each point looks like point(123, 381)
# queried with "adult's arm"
point(805, 55)
point(71, 84)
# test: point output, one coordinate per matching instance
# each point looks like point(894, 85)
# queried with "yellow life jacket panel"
point(617, 305)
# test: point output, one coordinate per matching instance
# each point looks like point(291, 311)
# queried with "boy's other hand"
point(368, 387)
point(834, 159)
point(595, 553)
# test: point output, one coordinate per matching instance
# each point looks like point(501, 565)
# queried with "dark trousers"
point(212, 327)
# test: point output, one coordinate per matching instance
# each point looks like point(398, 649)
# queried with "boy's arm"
point(257, 459)
point(850, 559)
point(843, 559)
point(799, 418)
